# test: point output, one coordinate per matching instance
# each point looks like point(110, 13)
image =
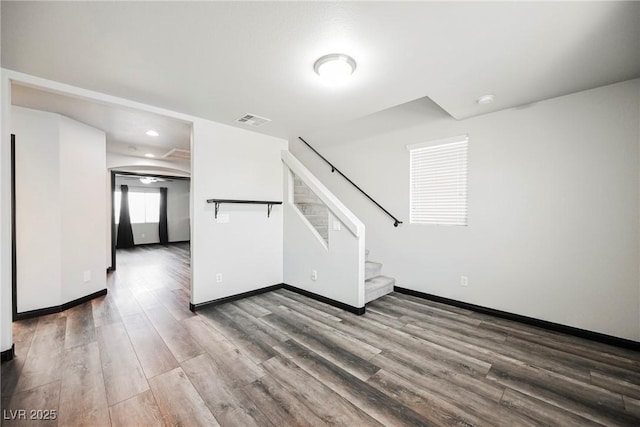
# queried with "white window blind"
point(144, 206)
point(439, 182)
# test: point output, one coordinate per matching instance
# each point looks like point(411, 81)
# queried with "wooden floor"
point(139, 357)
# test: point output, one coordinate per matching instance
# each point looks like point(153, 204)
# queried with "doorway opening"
point(119, 139)
point(156, 211)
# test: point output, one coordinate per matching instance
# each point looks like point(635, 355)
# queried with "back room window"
point(438, 175)
point(144, 205)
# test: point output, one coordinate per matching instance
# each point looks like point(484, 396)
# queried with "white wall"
point(38, 213)
point(553, 209)
point(338, 263)
point(82, 178)
point(231, 163)
point(178, 223)
point(60, 209)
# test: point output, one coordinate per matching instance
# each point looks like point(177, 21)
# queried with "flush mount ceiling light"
point(335, 67)
point(149, 155)
point(152, 132)
point(148, 180)
point(485, 99)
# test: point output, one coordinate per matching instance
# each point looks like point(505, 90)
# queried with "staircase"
point(317, 213)
point(313, 209)
point(375, 285)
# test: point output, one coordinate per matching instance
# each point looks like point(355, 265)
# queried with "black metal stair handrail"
point(269, 204)
point(396, 221)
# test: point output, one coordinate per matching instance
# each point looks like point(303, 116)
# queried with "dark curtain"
point(163, 229)
point(125, 233)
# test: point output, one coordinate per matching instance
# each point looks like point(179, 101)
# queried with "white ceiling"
point(125, 128)
point(220, 60)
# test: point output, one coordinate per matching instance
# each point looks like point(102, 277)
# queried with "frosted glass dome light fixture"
point(485, 99)
point(335, 67)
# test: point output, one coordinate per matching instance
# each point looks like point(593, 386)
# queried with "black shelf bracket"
point(218, 202)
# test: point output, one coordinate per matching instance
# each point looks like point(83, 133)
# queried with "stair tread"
point(379, 281)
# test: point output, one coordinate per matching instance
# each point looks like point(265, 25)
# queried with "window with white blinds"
point(439, 182)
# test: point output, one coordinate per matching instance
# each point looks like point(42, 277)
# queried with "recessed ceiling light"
point(148, 180)
point(485, 99)
point(149, 155)
point(335, 67)
point(152, 133)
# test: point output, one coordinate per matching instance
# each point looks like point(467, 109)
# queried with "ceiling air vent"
point(177, 154)
point(253, 120)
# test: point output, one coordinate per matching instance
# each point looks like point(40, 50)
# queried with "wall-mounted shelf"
point(269, 204)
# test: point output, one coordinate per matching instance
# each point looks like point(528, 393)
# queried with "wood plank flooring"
point(139, 357)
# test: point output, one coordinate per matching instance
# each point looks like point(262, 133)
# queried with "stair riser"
point(378, 293)
point(372, 270)
point(307, 199)
point(377, 287)
point(318, 221)
point(309, 209)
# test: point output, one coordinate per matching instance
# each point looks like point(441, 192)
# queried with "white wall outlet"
point(219, 278)
point(314, 275)
point(87, 276)
point(222, 218)
point(336, 225)
point(143, 235)
point(464, 281)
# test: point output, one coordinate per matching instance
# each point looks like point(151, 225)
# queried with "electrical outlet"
point(336, 225)
point(143, 235)
point(87, 276)
point(219, 277)
point(314, 275)
point(222, 218)
point(464, 281)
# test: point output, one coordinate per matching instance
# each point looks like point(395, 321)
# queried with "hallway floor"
point(139, 357)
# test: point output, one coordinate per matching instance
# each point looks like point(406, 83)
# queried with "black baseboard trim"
point(338, 304)
point(355, 310)
point(7, 355)
point(544, 324)
point(58, 308)
point(198, 306)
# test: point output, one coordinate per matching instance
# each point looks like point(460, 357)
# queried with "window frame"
point(137, 190)
point(459, 212)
